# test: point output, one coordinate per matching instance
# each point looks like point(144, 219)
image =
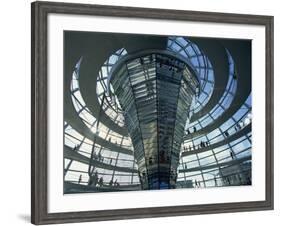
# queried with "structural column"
point(155, 90)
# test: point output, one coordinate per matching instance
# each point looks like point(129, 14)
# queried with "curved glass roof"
point(201, 63)
point(110, 104)
point(214, 152)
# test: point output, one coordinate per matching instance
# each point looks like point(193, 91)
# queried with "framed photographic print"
point(140, 112)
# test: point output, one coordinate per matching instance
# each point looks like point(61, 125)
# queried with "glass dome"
point(214, 149)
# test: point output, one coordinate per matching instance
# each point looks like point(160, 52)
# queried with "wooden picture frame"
point(39, 109)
